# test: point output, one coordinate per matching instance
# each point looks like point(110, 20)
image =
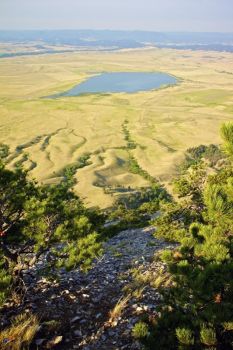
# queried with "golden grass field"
point(53, 133)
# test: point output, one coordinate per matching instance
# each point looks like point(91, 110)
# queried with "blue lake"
point(121, 82)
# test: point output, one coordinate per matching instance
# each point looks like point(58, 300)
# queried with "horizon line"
point(116, 30)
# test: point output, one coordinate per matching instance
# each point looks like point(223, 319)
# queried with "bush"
point(4, 151)
point(185, 336)
point(35, 219)
point(228, 326)
point(201, 268)
point(211, 153)
point(140, 330)
point(166, 256)
point(208, 336)
point(172, 225)
point(5, 282)
point(83, 252)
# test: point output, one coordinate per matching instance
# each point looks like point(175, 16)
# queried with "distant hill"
point(110, 39)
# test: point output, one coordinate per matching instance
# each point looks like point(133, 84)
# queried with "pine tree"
point(36, 219)
point(198, 306)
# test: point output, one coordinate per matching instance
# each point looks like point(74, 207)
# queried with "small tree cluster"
point(36, 219)
point(197, 308)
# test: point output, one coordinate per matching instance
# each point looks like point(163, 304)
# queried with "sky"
point(154, 15)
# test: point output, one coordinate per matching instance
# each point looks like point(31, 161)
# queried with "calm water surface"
point(121, 82)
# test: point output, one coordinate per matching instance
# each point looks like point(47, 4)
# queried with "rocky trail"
point(97, 310)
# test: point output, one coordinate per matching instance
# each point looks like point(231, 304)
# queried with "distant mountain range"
point(109, 39)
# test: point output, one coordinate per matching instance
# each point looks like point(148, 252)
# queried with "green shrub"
point(208, 336)
point(201, 268)
point(227, 135)
point(83, 252)
point(166, 256)
point(185, 336)
point(140, 330)
point(4, 151)
point(172, 225)
point(5, 283)
point(228, 326)
point(37, 219)
point(211, 153)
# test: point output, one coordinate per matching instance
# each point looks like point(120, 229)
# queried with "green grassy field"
point(46, 135)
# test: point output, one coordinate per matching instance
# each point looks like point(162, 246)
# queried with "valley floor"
point(46, 135)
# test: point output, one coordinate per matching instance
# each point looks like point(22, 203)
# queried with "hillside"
point(73, 278)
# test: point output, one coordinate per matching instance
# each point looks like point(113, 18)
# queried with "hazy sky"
point(159, 15)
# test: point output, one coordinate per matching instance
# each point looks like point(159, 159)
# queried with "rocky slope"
point(97, 310)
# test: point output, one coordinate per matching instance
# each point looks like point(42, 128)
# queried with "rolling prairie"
point(46, 135)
